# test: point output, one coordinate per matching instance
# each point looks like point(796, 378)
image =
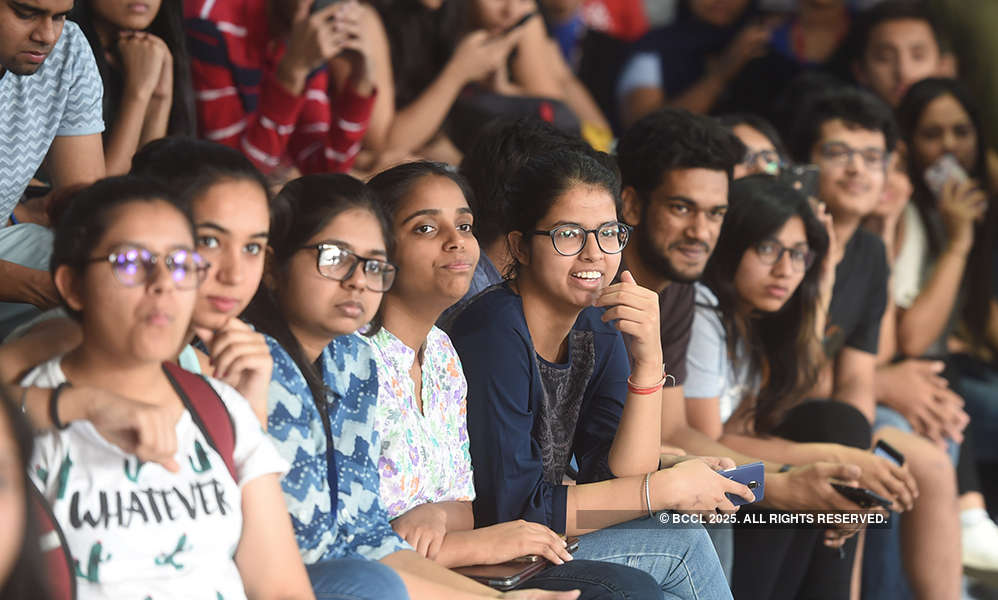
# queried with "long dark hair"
point(976, 311)
point(168, 26)
point(190, 166)
point(301, 210)
point(544, 178)
point(421, 42)
point(27, 578)
point(780, 345)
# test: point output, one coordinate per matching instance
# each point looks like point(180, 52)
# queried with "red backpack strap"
point(55, 550)
point(207, 410)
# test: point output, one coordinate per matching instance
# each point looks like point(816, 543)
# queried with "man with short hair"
point(50, 109)
point(849, 134)
point(676, 168)
point(897, 45)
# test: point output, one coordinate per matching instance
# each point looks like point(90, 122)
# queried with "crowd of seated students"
point(309, 299)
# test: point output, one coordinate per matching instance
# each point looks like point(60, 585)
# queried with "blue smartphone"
point(753, 476)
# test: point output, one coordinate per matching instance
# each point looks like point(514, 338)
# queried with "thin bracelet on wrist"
point(651, 515)
point(54, 406)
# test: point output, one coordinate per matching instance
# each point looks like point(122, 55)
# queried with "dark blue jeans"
point(359, 579)
point(598, 581)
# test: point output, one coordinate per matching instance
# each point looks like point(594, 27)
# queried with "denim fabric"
point(28, 245)
point(597, 581)
point(355, 579)
point(681, 560)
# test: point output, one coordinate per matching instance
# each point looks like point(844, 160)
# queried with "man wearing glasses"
point(676, 168)
point(849, 134)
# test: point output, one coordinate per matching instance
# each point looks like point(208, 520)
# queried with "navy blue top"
point(504, 396)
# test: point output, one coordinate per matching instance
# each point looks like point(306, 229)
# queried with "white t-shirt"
point(710, 371)
point(137, 531)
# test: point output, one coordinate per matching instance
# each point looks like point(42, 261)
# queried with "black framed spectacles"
point(134, 265)
point(338, 263)
point(771, 252)
point(569, 239)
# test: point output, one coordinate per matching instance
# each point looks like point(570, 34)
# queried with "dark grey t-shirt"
point(558, 414)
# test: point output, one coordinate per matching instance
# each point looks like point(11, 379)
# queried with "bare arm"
point(126, 134)
point(854, 380)
point(424, 578)
point(532, 67)
point(24, 284)
point(924, 321)
point(77, 159)
point(576, 96)
point(42, 342)
point(383, 113)
point(887, 347)
point(688, 485)
point(267, 556)
point(418, 122)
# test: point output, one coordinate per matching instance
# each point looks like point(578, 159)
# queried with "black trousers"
point(794, 564)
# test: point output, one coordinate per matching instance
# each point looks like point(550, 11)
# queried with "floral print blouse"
point(425, 455)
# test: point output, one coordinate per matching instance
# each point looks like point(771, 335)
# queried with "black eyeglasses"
point(771, 252)
point(841, 154)
point(569, 239)
point(135, 265)
point(337, 263)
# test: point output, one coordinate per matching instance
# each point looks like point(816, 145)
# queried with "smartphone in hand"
point(862, 497)
point(803, 178)
point(318, 5)
point(945, 168)
point(752, 476)
point(885, 450)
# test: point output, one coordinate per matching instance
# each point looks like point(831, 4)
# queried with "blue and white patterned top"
point(359, 526)
point(62, 98)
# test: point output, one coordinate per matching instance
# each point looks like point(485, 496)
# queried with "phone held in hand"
point(318, 5)
point(572, 544)
point(885, 450)
point(862, 497)
point(513, 573)
point(520, 23)
point(803, 178)
point(752, 476)
point(947, 167)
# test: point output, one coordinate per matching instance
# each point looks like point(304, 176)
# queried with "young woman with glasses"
point(425, 465)
point(551, 379)
point(754, 355)
point(126, 268)
point(328, 272)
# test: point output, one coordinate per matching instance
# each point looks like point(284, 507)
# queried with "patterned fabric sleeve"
point(465, 473)
point(295, 427)
point(84, 113)
point(353, 373)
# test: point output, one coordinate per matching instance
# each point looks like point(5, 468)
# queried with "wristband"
point(651, 515)
point(643, 391)
point(54, 406)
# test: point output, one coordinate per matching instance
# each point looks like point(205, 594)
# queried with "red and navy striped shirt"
point(241, 104)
